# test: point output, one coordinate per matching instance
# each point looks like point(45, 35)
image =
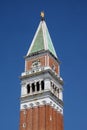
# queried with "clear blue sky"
point(67, 24)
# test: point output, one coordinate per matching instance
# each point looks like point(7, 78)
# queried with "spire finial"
point(42, 15)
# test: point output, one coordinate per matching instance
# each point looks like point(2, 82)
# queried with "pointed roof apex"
point(42, 40)
point(42, 15)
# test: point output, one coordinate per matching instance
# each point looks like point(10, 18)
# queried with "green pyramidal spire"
point(42, 40)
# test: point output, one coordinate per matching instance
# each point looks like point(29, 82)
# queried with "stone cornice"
point(43, 71)
point(30, 98)
point(40, 102)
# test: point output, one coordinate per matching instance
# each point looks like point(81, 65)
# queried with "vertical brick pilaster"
point(41, 115)
point(50, 118)
point(47, 117)
point(35, 119)
point(29, 119)
point(22, 119)
point(59, 121)
point(54, 120)
point(62, 123)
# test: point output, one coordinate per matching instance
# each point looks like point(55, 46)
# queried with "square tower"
point(41, 104)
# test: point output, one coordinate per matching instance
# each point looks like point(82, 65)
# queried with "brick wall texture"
point(41, 118)
point(44, 60)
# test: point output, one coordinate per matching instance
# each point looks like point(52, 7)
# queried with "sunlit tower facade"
point(41, 102)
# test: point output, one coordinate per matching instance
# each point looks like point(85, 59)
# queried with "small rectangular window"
point(28, 88)
point(42, 85)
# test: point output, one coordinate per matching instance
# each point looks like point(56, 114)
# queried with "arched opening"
point(42, 85)
point(33, 87)
point(38, 86)
point(28, 88)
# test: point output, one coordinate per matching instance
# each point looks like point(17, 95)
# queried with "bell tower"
point(41, 102)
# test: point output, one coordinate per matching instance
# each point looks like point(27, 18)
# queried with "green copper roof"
point(42, 40)
point(38, 43)
point(50, 44)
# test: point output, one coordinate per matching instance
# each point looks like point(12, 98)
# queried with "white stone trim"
point(44, 34)
point(41, 102)
point(25, 65)
point(58, 70)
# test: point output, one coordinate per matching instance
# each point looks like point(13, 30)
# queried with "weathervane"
point(42, 15)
